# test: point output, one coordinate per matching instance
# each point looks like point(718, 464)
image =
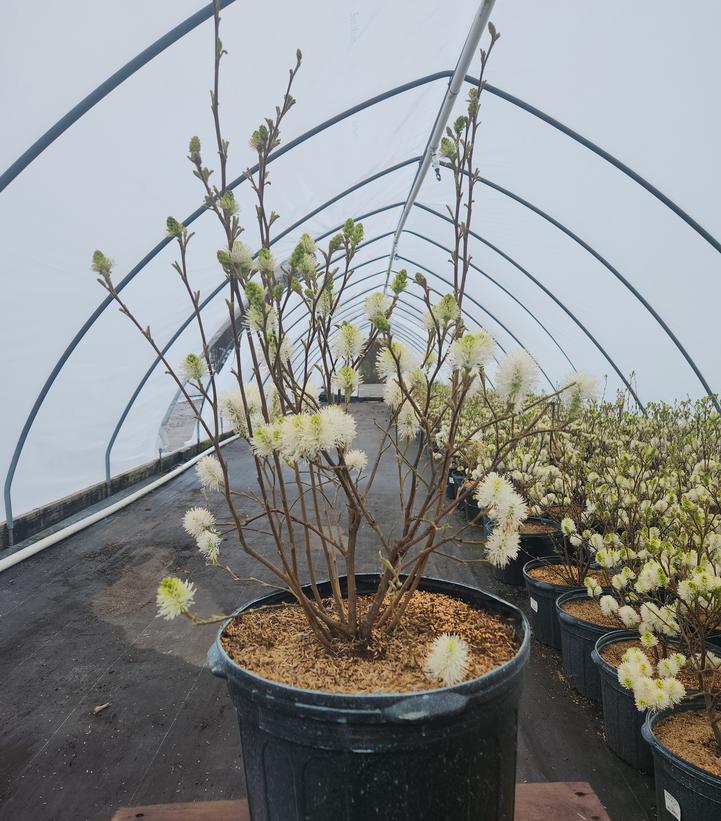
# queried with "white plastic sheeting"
point(636, 79)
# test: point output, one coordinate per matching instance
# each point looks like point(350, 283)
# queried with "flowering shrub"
point(291, 402)
point(652, 523)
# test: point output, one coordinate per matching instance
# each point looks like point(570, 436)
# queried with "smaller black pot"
point(578, 639)
point(542, 598)
point(533, 546)
point(455, 480)
point(621, 720)
point(683, 791)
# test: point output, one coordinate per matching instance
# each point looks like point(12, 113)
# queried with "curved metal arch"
point(605, 155)
point(95, 96)
point(219, 288)
point(406, 335)
point(363, 293)
point(368, 242)
point(485, 310)
point(356, 297)
point(502, 287)
point(406, 339)
point(550, 294)
point(537, 282)
point(613, 270)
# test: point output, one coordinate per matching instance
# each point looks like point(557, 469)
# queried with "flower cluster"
point(303, 436)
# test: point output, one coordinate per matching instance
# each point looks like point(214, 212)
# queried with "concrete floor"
point(79, 630)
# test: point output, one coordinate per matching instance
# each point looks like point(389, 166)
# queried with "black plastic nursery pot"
point(542, 598)
point(684, 792)
point(622, 721)
point(436, 755)
point(533, 546)
point(578, 639)
point(456, 478)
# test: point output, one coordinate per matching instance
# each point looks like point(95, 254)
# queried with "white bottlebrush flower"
point(593, 588)
point(209, 545)
point(196, 520)
point(444, 311)
point(568, 526)
point(174, 597)
point(671, 666)
point(392, 393)
point(673, 689)
point(347, 379)
point(376, 304)
point(390, 359)
point(447, 660)
point(609, 605)
point(578, 390)
point(645, 693)
point(628, 674)
point(262, 319)
point(340, 426)
point(210, 472)
point(648, 639)
point(471, 351)
point(516, 378)
point(193, 368)
point(503, 545)
point(407, 423)
point(348, 342)
point(266, 439)
point(356, 460)
point(494, 491)
point(242, 257)
point(628, 616)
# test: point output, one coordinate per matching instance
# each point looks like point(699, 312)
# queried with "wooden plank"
point(559, 800)
point(195, 811)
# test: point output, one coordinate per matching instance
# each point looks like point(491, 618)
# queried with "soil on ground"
point(278, 644)
point(560, 574)
point(590, 610)
point(688, 735)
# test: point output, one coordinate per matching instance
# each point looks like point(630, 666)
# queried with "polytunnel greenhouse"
point(361, 440)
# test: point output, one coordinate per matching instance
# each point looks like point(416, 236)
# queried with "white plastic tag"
point(534, 604)
point(672, 805)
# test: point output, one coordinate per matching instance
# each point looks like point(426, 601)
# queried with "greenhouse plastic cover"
point(575, 259)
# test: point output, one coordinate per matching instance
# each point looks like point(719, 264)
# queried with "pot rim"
point(546, 520)
point(652, 716)
point(610, 638)
point(564, 615)
point(493, 677)
point(541, 562)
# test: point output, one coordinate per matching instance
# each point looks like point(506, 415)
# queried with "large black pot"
point(436, 755)
point(542, 598)
point(533, 546)
point(621, 720)
point(578, 639)
point(683, 791)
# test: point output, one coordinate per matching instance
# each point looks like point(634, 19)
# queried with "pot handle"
point(430, 706)
point(215, 661)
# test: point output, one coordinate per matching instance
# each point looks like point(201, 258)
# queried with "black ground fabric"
point(79, 629)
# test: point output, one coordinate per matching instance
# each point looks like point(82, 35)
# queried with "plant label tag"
point(534, 604)
point(672, 805)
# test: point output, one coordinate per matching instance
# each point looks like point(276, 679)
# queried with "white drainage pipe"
point(81, 524)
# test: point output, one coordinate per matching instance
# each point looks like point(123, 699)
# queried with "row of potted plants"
point(631, 592)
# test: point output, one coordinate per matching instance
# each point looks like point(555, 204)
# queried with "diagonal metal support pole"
point(468, 51)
